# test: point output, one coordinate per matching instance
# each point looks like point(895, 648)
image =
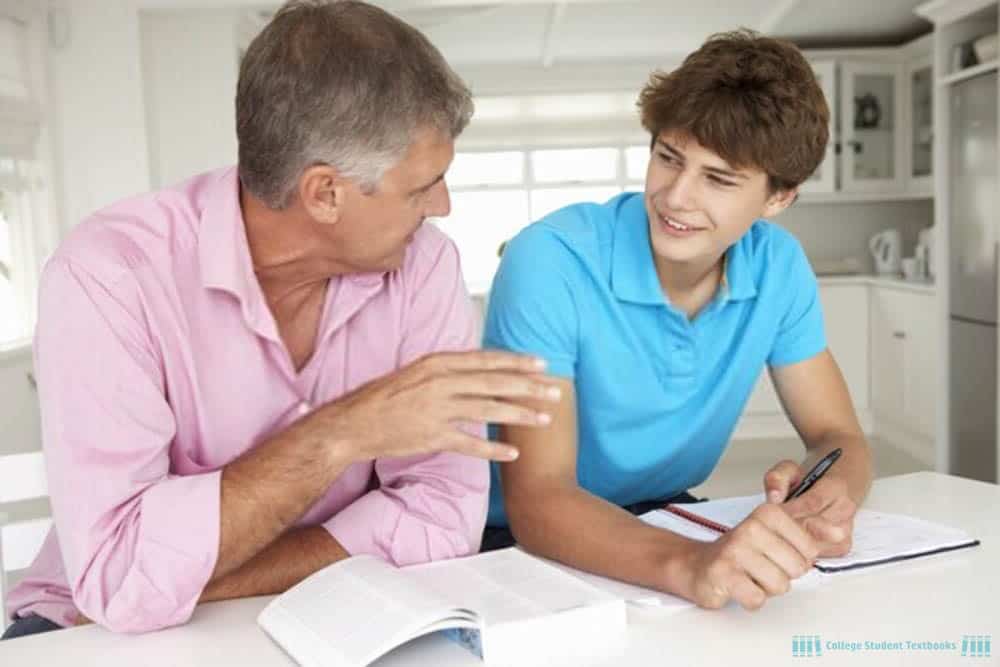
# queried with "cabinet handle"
point(899, 334)
point(856, 145)
point(31, 380)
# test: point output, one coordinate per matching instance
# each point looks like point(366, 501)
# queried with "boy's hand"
point(825, 510)
point(754, 561)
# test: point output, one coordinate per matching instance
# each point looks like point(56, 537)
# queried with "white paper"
point(877, 535)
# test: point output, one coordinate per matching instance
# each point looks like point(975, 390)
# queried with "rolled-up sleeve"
point(138, 543)
point(433, 506)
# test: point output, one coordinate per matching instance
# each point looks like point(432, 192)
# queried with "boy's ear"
point(779, 201)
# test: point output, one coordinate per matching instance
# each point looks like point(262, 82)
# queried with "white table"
point(940, 598)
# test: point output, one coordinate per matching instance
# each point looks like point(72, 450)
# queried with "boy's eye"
point(669, 159)
point(720, 181)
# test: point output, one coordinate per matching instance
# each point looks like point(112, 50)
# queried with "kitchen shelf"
point(968, 73)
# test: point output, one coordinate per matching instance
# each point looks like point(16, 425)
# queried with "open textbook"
point(879, 537)
point(507, 607)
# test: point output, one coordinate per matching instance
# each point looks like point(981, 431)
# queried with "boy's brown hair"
point(754, 100)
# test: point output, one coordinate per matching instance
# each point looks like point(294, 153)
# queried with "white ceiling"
point(480, 32)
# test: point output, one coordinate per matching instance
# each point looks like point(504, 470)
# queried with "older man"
point(254, 374)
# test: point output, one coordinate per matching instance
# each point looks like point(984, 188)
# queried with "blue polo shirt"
point(658, 395)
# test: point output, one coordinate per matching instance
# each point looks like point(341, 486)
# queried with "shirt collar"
point(633, 273)
point(739, 280)
point(223, 251)
point(225, 262)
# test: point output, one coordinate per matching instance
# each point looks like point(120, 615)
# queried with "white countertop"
point(922, 286)
point(928, 599)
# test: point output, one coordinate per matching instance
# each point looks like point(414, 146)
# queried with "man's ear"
point(322, 193)
point(779, 201)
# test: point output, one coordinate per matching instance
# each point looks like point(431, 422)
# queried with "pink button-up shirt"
point(159, 362)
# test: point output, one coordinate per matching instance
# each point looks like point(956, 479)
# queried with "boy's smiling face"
point(698, 204)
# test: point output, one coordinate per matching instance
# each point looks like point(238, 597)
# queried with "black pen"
point(818, 471)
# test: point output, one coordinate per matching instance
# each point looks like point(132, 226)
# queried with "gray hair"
point(342, 83)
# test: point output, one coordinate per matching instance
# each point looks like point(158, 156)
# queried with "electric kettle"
point(887, 249)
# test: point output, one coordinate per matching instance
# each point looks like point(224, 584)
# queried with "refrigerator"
point(973, 277)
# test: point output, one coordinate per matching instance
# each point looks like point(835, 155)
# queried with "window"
point(12, 321)
point(28, 233)
point(494, 194)
point(28, 228)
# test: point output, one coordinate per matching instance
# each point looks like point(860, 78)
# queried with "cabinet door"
point(871, 117)
point(845, 312)
point(764, 399)
point(920, 364)
point(888, 335)
point(920, 125)
point(824, 179)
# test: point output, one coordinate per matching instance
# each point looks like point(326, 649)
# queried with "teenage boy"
point(658, 311)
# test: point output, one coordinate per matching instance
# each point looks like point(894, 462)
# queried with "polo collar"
point(633, 272)
point(740, 283)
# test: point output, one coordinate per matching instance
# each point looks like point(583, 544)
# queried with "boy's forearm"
point(586, 532)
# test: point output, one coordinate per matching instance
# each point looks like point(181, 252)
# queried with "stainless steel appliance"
point(973, 277)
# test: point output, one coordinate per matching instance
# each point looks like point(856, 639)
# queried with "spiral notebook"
point(879, 537)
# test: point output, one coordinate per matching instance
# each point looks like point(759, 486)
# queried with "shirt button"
point(304, 408)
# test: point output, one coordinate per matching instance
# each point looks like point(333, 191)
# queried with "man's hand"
point(419, 408)
point(754, 561)
point(825, 510)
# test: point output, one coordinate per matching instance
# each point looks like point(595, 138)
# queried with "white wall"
point(835, 231)
point(98, 121)
point(190, 68)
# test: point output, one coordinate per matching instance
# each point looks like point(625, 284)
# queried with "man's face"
point(375, 229)
point(699, 205)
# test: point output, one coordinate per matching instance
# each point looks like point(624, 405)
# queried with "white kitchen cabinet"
point(881, 105)
point(824, 179)
point(904, 339)
point(845, 313)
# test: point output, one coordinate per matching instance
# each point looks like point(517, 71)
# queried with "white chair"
point(22, 480)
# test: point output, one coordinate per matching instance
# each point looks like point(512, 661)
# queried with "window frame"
point(530, 184)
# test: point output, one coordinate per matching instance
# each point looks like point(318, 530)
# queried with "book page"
point(353, 611)
point(638, 595)
point(505, 585)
